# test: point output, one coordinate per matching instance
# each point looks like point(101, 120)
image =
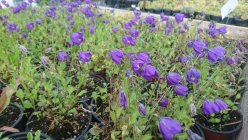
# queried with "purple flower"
point(82, 29)
point(137, 66)
point(24, 5)
point(16, 9)
point(216, 54)
point(38, 21)
point(190, 44)
point(30, 26)
point(123, 99)
point(30, 1)
point(193, 109)
point(62, 56)
point(179, 17)
point(23, 50)
point(70, 17)
point(169, 27)
point(117, 56)
point(149, 72)
point(199, 30)
point(183, 59)
point(115, 29)
point(50, 13)
point(213, 32)
point(150, 20)
point(24, 35)
point(193, 76)
point(222, 30)
point(92, 29)
point(209, 107)
point(173, 78)
point(163, 17)
point(144, 56)
point(128, 40)
point(87, 12)
point(128, 25)
point(87, 1)
point(11, 27)
point(181, 90)
point(142, 109)
point(85, 56)
point(163, 102)
point(131, 56)
point(199, 46)
point(33, 11)
point(134, 33)
point(44, 60)
point(77, 38)
point(221, 104)
point(169, 127)
point(232, 60)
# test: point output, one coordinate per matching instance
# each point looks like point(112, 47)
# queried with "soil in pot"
point(224, 130)
point(23, 136)
point(12, 117)
point(73, 126)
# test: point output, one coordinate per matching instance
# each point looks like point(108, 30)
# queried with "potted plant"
point(11, 115)
point(27, 136)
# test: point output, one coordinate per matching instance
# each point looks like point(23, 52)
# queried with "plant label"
point(228, 8)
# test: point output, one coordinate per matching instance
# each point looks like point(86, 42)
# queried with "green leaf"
point(27, 104)
point(37, 135)
point(30, 136)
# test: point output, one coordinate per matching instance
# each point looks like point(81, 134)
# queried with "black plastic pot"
point(197, 130)
point(211, 134)
point(83, 133)
point(19, 123)
point(216, 18)
point(94, 76)
point(23, 136)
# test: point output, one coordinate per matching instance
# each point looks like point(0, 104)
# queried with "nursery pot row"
point(27, 126)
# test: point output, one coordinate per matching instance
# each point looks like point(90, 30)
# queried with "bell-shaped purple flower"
point(92, 29)
point(115, 29)
point(144, 56)
point(164, 17)
point(173, 78)
point(87, 1)
point(11, 27)
point(183, 59)
point(62, 56)
point(123, 99)
point(150, 20)
point(23, 50)
point(193, 76)
point(134, 33)
point(137, 66)
point(221, 104)
point(209, 107)
point(149, 72)
point(30, 26)
point(128, 40)
point(44, 60)
point(169, 127)
point(87, 12)
point(216, 54)
point(163, 102)
point(16, 9)
point(77, 38)
point(117, 56)
point(142, 109)
point(181, 90)
point(199, 46)
point(128, 25)
point(85, 56)
point(179, 17)
point(232, 60)
point(222, 30)
point(24, 35)
point(38, 21)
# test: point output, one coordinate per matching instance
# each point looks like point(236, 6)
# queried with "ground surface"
point(243, 135)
